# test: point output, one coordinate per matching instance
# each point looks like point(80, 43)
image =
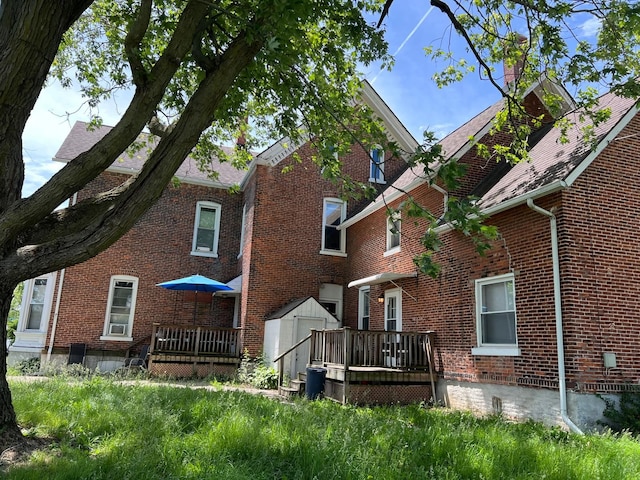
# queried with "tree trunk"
point(8, 423)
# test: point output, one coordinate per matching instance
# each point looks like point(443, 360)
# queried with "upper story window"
point(393, 233)
point(121, 306)
point(376, 165)
point(206, 230)
point(333, 214)
point(496, 316)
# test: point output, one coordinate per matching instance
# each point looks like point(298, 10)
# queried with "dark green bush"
point(623, 415)
point(29, 366)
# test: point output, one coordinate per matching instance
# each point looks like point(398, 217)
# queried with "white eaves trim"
point(514, 202)
point(623, 122)
point(397, 130)
point(381, 278)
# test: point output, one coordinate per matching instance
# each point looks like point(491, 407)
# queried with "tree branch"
point(137, 29)
point(25, 213)
point(121, 207)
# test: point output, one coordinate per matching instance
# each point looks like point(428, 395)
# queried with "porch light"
point(381, 298)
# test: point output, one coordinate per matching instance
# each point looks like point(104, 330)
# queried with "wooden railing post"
point(346, 351)
point(154, 338)
point(196, 347)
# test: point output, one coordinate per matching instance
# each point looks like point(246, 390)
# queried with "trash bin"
point(315, 382)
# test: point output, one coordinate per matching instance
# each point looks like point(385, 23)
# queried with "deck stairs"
point(296, 387)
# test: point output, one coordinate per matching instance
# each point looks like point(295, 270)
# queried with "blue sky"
point(408, 90)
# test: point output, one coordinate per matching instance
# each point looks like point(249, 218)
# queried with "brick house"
point(548, 318)
point(199, 226)
point(534, 329)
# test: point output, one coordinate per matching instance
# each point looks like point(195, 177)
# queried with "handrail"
point(280, 359)
point(292, 348)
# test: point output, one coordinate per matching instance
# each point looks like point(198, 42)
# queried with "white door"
point(392, 323)
point(302, 327)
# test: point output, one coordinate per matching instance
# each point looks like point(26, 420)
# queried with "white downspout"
point(562, 384)
point(438, 188)
point(72, 201)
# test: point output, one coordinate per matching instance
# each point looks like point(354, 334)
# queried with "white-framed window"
point(393, 310)
point(393, 233)
point(206, 229)
point(121, 306)
point(333, 214)
point(376, 165)
point(364, 308)
point(496, 316)
point(330, 297)
point(242, 227)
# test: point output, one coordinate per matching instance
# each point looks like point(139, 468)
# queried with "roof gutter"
point(514, 202)
point(562, 382)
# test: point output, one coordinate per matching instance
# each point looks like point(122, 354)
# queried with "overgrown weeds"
point(257, 373)
point(109, 430)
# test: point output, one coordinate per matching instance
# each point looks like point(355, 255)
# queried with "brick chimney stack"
point(513, 71)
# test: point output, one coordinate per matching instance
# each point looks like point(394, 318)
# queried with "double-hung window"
point(393, 233)
point(121, 306)
point(496, 316)
point(36, 305)
point(206, 230)
point(333, 239)
point(376, 165)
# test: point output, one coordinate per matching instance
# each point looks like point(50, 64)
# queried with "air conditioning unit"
point(117, 329)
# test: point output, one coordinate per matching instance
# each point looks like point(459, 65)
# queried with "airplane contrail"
point(407, 38)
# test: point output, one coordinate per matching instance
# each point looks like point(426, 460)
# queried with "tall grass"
point(108, 431)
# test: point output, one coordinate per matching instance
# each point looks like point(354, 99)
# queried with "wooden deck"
point(180, 350)
point(364, 366)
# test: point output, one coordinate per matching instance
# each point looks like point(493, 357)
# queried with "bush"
point(29, 366)
point(257, 373)
point(623, 415)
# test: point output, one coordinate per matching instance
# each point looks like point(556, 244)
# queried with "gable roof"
point(80, 140)
point(299, 303)
point(456, 144)
point(284, 147)
point(554, 165)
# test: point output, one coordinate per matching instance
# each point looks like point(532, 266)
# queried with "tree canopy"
point(203, 73)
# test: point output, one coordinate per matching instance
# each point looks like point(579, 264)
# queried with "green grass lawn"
point(111, 431)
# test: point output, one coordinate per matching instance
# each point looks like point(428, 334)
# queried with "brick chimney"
point(513, 71)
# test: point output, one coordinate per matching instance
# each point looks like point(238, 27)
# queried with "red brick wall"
point(599, 248)
point(156, 249)
point(601, 271)
point(286, 235)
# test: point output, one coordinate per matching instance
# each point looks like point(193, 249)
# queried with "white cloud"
point(591, 27)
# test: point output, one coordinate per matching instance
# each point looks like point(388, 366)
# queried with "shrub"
point(623, 415)
point(29, 366)
point(257, 373)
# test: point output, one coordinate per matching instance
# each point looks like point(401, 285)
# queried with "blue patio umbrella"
point(195, 283)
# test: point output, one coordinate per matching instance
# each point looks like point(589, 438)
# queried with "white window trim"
point(380, 165)
point(134, 295)
point(395, 216)
point(394, 292)
point(216, 235)
point(343, 233)
point(505, 350)
point(361, 298)
point(242, 227)
point(27, 293)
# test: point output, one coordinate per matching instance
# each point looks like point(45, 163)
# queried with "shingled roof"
point(80, 140)
point(552, 161)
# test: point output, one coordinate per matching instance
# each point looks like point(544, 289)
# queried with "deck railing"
point(196, 341)
point(367, 348)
